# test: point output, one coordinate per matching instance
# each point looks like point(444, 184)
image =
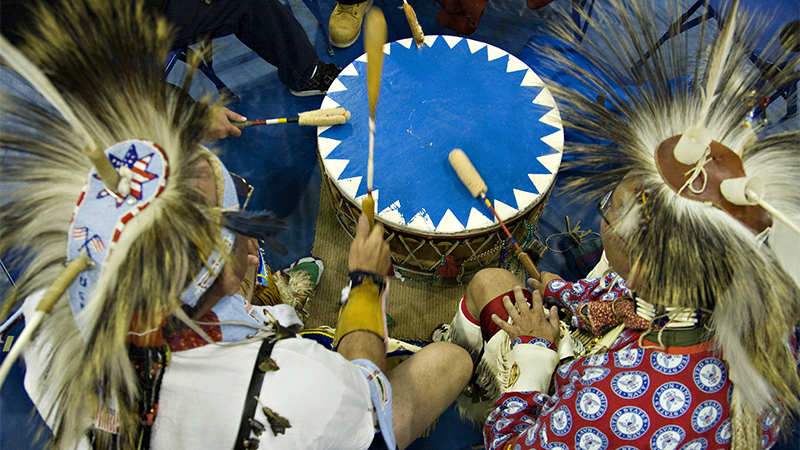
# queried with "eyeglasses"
point(604, 205)
point(243, 190)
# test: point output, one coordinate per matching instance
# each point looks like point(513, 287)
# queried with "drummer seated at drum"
point(412, 403)
point(542, 388)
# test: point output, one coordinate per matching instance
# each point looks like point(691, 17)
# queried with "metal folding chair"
point(206, 65)
point(313, 6)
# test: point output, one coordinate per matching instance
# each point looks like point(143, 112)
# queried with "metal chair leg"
point(313, 6)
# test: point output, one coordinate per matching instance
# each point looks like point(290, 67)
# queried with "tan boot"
point(345, 23)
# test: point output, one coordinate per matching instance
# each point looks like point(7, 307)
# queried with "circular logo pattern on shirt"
point(568, 391)
point(590, 438)
point(558, 446)
point(609, 296)
point(596, 360)
point(499, 440)
point(502, 423)
point(628, 358)
point(577, 288)
point(672, 399)
point(667, 363)
point(710, 375)
point(493, 416)
point(540, 342)
point(521, 428)
point(529, 420)
point(543, 437)
point(667, 438)
point(564, 370)
point(552, 402)
point(530, 438)
point(556, 285)
point(630, 384)
point(706, 415)
point(696, 444)
point(630, 423)
point(561, 421)
point(591, 403)
point(593, 374)
point(723, 435)
point(513, 405)
point(770, 419)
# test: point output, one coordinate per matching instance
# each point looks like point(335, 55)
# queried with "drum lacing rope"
point(531, 236)
point(479, 256)
point(407, 274)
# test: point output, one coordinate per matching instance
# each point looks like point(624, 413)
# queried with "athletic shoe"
point(345, 23)
point(320, 82)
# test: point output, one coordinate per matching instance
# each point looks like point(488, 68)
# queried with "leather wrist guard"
point(362, 312)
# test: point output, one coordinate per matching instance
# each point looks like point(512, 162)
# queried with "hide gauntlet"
point(362, 312)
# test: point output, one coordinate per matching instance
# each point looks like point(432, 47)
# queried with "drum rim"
point(473, 233)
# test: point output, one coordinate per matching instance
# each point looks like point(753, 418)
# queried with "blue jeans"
point(265, 26)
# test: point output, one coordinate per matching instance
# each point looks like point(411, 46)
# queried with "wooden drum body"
point(451, 93)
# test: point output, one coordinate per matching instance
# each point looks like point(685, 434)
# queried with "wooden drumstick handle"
point(368, 207)
point(477, 187)
point(375, 33)
point(529, 266)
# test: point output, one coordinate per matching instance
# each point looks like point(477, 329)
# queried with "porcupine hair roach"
point(688, 253)
point(99, 66)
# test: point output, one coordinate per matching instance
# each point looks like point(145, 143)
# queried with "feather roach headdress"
point(698, 233)
point(101, 172)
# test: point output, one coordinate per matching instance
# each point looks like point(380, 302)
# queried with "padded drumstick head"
point(467, 172)
point(324, 117)
point(416, 29)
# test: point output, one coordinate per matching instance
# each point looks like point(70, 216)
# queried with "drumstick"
point(319, 118)
point(416, 29)
point(374, 40)
point(477, 187)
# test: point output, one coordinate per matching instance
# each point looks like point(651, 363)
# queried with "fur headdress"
point(689, 244)
point(99, 67)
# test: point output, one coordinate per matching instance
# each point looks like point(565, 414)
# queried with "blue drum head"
point(450, 93)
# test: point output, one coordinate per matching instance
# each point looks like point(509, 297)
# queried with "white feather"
point(717, 66)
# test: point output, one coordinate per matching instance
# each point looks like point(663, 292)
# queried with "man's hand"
point(529, 321)
point(369, 252)
point(252, 252)
point(222, 125)
point(540, 286)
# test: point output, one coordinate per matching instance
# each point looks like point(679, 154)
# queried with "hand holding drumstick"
point(477, 187)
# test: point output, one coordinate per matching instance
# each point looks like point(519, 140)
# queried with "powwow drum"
point(451, 93)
